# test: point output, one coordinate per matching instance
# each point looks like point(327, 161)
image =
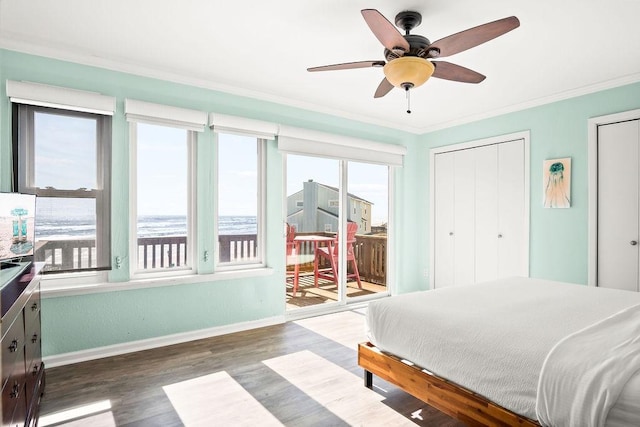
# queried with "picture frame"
point(556, 182)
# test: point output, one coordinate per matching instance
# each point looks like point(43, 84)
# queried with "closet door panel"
point(464, 217)
point(443, 220)
point(511, 210)
point(486, 223)
point(618, 205)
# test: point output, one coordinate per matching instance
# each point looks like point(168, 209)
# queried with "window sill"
point(60, 289)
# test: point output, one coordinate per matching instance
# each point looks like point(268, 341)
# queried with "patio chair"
point(330, 254)
point(292, 256)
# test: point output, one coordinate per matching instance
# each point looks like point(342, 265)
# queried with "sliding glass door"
point(313, 220)
point(336, 230)
point(368, 207)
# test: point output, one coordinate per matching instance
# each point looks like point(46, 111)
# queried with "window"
point(64, 158)
point(239, 204)
point(162, 185)
point(162, 142)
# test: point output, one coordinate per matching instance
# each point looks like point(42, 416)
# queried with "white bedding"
point(592, 365)
point(493, 338)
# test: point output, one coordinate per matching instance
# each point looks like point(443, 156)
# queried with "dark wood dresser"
point(22, 367)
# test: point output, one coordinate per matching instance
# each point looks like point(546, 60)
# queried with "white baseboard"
point(146, 344)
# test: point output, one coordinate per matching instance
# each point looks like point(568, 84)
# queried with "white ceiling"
point(261, 48)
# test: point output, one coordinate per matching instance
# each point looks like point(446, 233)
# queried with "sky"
point(65, 152)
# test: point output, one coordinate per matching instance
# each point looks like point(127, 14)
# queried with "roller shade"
point(309, 142)
point(242, 126)
point(60, 97)
point(147, 112)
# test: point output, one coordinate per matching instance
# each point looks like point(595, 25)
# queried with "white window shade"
point(309, 142)
point(222, 123)
point(158, 114)
point(60, 97)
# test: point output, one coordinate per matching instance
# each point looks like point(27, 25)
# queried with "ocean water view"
point(57, 227)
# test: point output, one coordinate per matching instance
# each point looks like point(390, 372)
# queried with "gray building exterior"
point(316, 207)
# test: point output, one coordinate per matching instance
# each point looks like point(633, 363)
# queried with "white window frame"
point(262, 131)
point(259, 260)
point(193, 121)
point(191, 266)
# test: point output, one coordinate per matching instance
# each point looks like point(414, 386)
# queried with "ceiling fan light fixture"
point(408, 69)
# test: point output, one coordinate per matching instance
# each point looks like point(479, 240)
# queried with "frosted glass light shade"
point(408, 69)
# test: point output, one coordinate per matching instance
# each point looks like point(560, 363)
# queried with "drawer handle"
point(35, 370)
point(34, 307)
point(14, 346)
point(15, 391)
point(34, 338)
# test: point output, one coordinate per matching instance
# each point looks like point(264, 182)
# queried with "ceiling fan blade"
point(383, 88)
point(448, 71)
point(472, 37)
point(348, 66)
point(385, 31)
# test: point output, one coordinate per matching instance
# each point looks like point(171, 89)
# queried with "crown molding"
point(12, 42)
point(572, 93)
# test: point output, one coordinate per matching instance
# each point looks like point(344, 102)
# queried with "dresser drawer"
point(32, 310)
point(33, 352)
point(14, 403)
point(31, 380)
point(33, 357)
point(13, 350)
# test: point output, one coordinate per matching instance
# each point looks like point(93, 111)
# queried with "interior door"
point(618, 205)
point(443, 219)
point(464, 217)
point(511, 210)
point(486, 230)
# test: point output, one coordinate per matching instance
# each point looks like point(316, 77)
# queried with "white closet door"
point(444, 169)
point(464, 218)
point(486, 224)
point(511, 231)
point(618, 205)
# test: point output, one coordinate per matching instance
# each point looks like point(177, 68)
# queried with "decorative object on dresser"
point(22, 367)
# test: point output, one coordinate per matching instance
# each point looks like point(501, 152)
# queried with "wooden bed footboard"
point(443, 395)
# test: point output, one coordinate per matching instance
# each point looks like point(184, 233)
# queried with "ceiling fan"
point(408, 57)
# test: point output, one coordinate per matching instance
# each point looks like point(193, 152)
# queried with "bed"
point(515, 351)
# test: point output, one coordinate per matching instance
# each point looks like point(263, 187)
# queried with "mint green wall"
point(81, 322)
point(558, 237)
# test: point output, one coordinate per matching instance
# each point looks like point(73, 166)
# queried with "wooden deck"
point(326, 292)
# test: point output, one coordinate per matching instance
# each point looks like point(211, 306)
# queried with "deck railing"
point(237, 247)
point(171, 251)
point(370, 253)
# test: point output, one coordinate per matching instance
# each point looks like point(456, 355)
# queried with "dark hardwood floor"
point(301, 373)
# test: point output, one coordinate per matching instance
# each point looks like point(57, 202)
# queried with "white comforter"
point(491, 338)
point(585, 373)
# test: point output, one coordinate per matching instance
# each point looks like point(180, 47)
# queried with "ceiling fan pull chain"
point(406, 88)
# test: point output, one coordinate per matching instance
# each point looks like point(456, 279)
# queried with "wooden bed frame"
point(443, 395)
